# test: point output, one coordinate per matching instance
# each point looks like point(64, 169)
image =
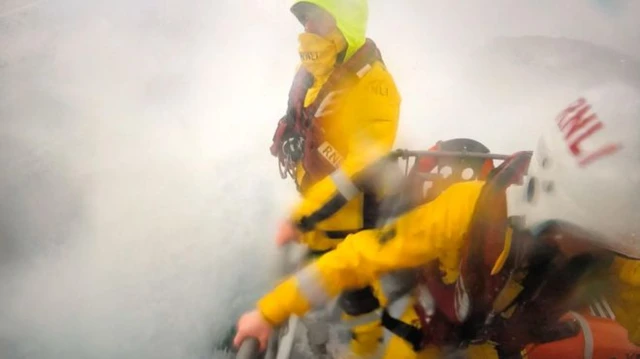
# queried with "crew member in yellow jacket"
point(343, 115)
point(577, 205)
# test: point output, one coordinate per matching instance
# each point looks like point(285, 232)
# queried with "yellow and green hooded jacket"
point(360, 129)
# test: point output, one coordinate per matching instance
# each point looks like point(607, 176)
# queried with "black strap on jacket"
point(408, 332)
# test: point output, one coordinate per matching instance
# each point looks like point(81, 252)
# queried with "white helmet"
point(585, 171)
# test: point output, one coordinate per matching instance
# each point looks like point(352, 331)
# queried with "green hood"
point(351, 18)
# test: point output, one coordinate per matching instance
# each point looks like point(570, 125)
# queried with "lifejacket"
point(297, 136)
point(439, 306)
point(449, 170)
point(512, 289)
point(362, 301)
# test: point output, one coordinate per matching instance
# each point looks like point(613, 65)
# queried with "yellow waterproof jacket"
point(359, 127)
point(435, 230)
point(625, 296)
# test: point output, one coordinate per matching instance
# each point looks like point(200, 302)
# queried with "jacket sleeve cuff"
point(284, 301)
point(273, 317)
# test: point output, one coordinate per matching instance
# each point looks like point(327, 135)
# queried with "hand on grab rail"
point(253, 325)
point(249, 349)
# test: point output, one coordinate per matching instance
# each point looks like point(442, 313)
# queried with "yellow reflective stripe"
point(344, 184)
point(310, 285)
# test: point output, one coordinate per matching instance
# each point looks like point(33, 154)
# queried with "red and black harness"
point(298, 134)
point(474, 309)
point(441, 326)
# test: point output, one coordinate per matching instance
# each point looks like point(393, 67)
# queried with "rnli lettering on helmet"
point(578, 123)
point(330, 154)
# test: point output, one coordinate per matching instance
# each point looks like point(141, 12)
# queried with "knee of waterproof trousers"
point(360, 314)
point(366, 340)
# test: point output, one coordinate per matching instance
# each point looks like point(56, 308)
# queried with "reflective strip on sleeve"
point(397, 308)
point(398, 283)
point(356, 321)
point(310, 285)
point(344, 184)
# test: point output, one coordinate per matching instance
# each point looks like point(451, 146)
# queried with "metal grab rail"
point(404, 154)
point(291, 259)
point(249, 349)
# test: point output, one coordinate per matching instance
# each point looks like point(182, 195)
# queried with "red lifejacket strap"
point(300, 121)
point(487, 232)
